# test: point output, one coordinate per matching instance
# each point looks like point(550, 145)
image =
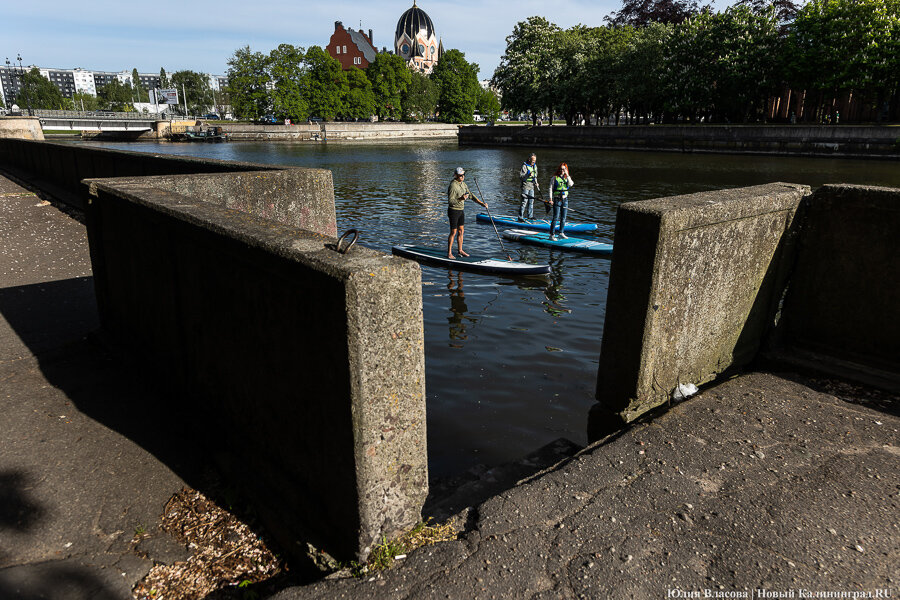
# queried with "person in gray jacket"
point(528, 174)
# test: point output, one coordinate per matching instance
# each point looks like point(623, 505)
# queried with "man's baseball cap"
point(460, 171)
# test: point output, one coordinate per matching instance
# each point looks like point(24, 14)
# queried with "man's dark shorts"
point(457, 218)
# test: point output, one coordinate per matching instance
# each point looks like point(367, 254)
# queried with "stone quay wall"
point(703, 285)
point(59, 168)
point(300, 367)
point(24, 128)
point(800, 140)
point(337, 131)
point(840, 307)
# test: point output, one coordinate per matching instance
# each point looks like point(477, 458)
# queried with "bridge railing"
point(101, 114)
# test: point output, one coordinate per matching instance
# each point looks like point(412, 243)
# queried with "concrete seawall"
point(337, 131)
point(704, 285)
point(800, 140)
point(23, 128)
point(302, 365)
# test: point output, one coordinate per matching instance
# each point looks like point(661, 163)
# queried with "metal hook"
point(350, 244)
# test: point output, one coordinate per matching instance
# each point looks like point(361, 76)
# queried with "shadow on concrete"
point(18, 510)
point(60, 580)
point(58, 323)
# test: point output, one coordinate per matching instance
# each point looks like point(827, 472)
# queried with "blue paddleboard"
point(478, 264)
point(537, 224)
point(572, 243)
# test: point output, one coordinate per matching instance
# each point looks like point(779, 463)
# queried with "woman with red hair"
point(560, 184)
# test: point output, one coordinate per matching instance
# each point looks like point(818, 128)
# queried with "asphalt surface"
point(761, 483)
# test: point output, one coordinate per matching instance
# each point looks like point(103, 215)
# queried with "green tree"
point(116, 96)
point(195, 86)
point(390, 78)
point(140, 94)
point(487, 104)
point(83, 101)
point(420, 98)
point(457, 85)
point(360, 101)
point(847, 46)
point(290, 78)
point(163, 79)
point(327, 87)
point(640, 69)
point(247, 79)
point(38, 92)
point(528, 67)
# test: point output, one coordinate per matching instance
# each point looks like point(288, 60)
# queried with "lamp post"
point(22, 84)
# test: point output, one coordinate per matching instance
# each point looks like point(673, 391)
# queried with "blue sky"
point(108, 36)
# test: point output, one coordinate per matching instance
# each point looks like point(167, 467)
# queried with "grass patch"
point(385, 554)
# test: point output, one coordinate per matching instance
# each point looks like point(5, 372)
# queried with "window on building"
point(345, 49)
point(337, 49)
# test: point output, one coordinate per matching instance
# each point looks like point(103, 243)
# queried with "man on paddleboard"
point(457, 194)
point(528, 174)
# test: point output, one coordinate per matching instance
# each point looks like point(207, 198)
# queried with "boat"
point(213, 134)
point(537, 224)
point(572, 243)
point(477, 264)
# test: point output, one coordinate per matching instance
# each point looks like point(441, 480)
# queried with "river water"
point(511, 364)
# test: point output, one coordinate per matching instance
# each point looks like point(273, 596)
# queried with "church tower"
point(415, 40)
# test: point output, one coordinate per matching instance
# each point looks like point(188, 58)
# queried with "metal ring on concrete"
point(343, 237)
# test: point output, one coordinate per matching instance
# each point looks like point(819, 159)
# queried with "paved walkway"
point(78, 469)
point(759, 483)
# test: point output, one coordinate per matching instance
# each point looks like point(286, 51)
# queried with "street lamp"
point(22, 84)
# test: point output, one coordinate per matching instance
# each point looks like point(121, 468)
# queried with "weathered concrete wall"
point(840, 312)
point(806, 140)
point(23, 128)
point(302, 198)
point(305, 365)
point(336, 131)
point(388, 130)
point(59, 167)
point(694, 285)
point(243, 131)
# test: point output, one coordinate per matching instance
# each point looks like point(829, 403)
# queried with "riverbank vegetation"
point(297, 84)
point(671, 60)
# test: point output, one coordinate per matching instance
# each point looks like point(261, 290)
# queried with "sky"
point(107, 36)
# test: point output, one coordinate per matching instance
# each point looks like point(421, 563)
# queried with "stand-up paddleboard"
point(572, 243)
point(537, 224)
point(478, 264)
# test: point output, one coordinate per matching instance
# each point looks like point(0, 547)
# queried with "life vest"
point(560, 184)
point(531, 169)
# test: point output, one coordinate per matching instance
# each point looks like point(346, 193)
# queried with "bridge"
point(100, 121)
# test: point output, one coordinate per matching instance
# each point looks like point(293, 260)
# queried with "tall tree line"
point(675, 60)
point(296, 83)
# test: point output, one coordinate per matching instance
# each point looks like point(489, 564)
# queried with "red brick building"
point(351, 48)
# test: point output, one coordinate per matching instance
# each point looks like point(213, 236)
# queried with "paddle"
point(571, 210)
point(475, 179)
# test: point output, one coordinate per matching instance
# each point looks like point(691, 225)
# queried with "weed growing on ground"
point(385, 554)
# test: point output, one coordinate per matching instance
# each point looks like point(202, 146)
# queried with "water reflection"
point(459, 317)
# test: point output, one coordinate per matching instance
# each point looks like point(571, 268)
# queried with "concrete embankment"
point(798, 140)
point(23, 128)
point(338, 131)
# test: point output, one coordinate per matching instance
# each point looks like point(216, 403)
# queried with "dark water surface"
point(511, 364)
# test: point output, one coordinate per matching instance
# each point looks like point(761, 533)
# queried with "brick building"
point(350, 47)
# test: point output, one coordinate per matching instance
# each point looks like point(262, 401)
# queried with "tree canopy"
point(720, 66)
point(38, 92)
point(457, 87)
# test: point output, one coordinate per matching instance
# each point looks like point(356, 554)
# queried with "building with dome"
point(415, 40)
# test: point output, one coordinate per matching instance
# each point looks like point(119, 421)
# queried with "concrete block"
point(305, 367)
point(694, 284)
point(302, 198)
point(845, 289)
point(24, 128)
